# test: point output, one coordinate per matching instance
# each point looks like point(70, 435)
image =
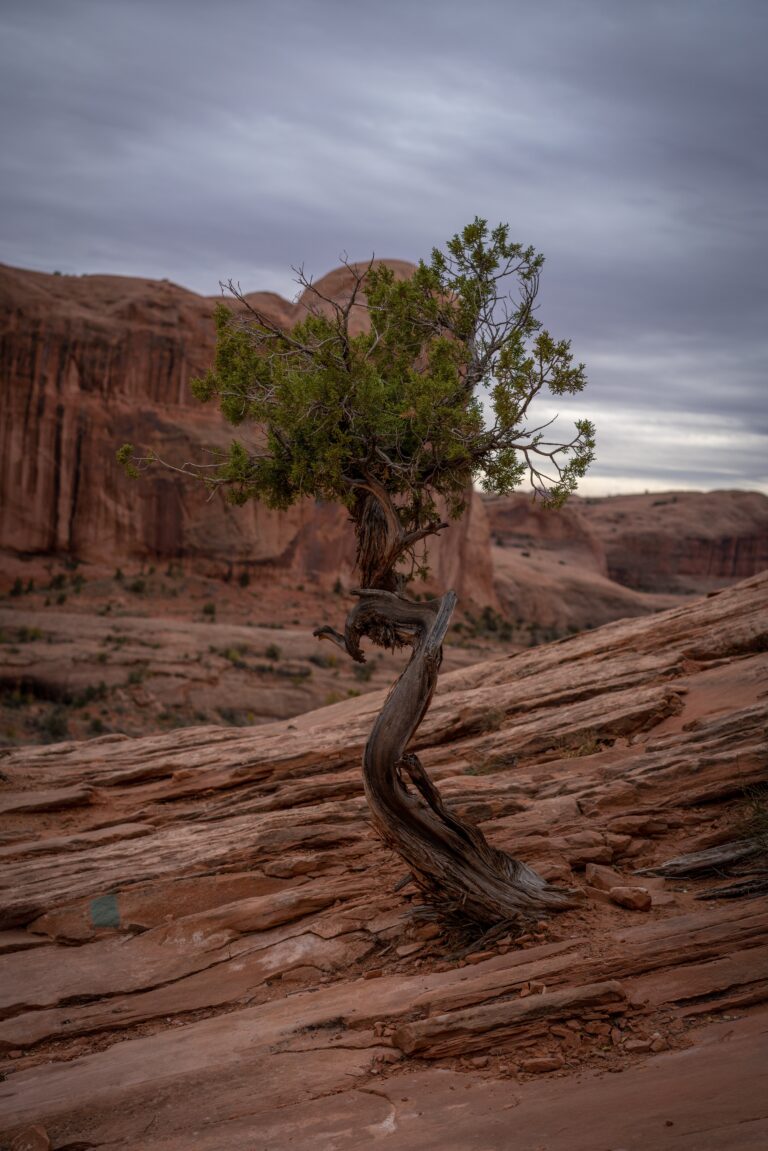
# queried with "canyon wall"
point(89, 362)
point(680, 541)
point(600, 559)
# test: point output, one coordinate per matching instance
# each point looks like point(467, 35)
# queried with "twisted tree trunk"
point(452, 863)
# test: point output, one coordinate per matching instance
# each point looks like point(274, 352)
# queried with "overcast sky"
point(627, 141)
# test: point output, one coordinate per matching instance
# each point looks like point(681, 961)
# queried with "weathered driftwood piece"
point(741, 890)
point(477, 1028)
point(711, 859)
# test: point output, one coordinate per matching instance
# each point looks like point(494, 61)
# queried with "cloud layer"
point(627, 142)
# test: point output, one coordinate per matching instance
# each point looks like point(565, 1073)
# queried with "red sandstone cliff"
point(88, 362)
point(601, 559)
point(680, 541)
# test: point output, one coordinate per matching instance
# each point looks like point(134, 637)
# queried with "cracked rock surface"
point(202, 944)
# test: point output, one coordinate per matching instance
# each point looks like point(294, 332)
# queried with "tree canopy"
point(434, 393)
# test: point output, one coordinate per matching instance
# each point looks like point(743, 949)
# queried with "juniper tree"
point(392, 400)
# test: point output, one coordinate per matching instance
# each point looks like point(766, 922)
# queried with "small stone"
point(536, 987)
point(480, 956)
point(391, 1056)
point(31, 1139)
point(374, 973)
point(429, 931)
point(596, 1028)
point(15, 1054)
point(581, 856)
point(637, 1045)
point(556, 873)
point(659, 1044)
point(636, 847)
point(601, 877)
point(634, 898)
point(378, 1029)
point(525, 991)
point(595, 894)
point(616, 1036)
point(619, 843)
point(479, 1061)
point(561, 1032)
point(541, 1064)
point(406, 949)
point(574, 1024)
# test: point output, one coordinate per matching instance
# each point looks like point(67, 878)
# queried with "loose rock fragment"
point(541, 1064)
point(603, 878)
point(634, 898)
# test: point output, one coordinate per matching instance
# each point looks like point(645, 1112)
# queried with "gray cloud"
point(194, 141)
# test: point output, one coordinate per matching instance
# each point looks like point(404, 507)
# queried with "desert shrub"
point(54, 725)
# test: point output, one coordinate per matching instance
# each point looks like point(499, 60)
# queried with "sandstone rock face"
point(90, 362)
point(601, 559)
point(202, 944)
point(680, 541)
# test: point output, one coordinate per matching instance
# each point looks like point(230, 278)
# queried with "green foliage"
point(209, 609)
point(273, 652)
point(124, 456)
point(432, 394)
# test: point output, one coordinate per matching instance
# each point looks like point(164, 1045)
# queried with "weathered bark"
point(451, 861)
point(713, 859)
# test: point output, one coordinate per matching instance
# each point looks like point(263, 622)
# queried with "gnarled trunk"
point(452, 863)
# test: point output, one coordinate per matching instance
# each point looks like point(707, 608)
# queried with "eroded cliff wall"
point(88, 362)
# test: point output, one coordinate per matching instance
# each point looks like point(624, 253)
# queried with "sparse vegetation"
point(28, 634)
point(54, 725)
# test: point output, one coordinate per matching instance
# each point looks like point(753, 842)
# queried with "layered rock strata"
point(206, 946)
